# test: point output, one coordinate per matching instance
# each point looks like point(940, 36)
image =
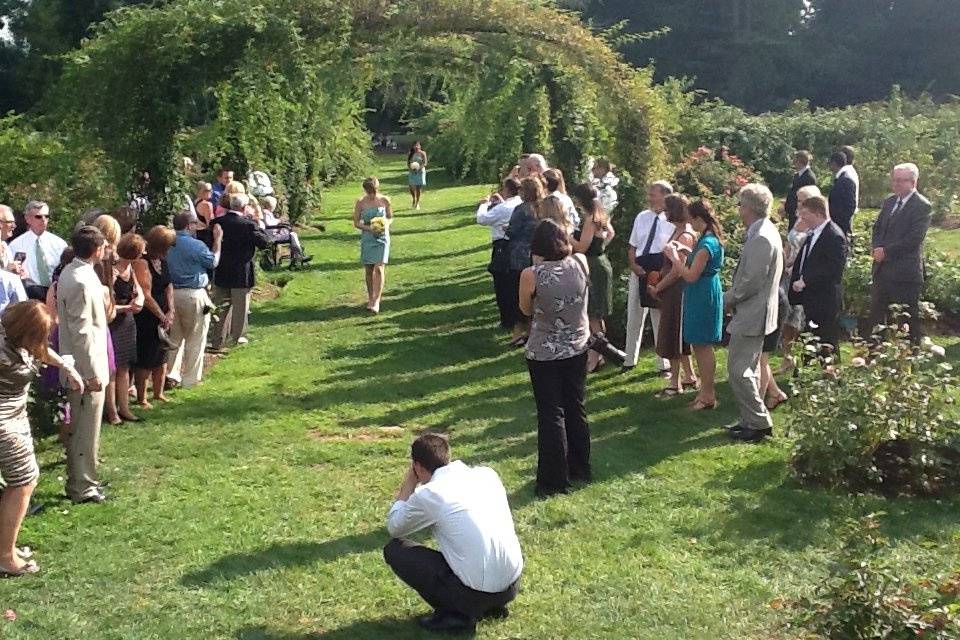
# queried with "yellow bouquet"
point(379, 225)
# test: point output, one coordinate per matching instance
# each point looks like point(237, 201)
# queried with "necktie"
point(43, 269)
point(897, 208)
point(806, 251)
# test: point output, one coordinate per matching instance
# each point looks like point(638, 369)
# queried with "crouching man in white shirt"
point(475, 573)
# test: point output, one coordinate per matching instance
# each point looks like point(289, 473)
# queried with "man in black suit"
point(898, 236)
point(803, 177)
point(233, 277)
point(816, 280)
point(843, 193)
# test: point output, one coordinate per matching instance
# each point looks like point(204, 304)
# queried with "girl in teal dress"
point(416, 172)
point(703, 297)
point(374, 241)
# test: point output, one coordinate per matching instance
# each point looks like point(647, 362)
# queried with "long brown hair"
point(28, 325)
point(703, 210)
point(531, 190)
point(586, 194)
point(676, 208)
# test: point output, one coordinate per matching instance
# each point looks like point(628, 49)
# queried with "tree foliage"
point(281, 84)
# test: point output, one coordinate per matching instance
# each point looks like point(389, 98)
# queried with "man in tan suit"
point(753, 302)
point(83, 335)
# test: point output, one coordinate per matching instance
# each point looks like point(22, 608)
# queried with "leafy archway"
point(281, 85)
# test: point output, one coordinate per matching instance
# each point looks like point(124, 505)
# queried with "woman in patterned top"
point(555, 291)
point(24, 331)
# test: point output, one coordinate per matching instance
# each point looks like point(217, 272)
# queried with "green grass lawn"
point(253, 506)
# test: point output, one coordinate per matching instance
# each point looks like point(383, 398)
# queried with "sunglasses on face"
point(41, 216)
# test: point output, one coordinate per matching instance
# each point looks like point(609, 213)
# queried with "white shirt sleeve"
point(635, 234)
point(416, 513)
point(485, 214)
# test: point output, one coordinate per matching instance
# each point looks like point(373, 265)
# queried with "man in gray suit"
point(753, 301)
point(898, 236)
point(82, 315)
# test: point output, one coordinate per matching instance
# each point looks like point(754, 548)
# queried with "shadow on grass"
point(382, 629)
point(327, 267)
point(280, 556)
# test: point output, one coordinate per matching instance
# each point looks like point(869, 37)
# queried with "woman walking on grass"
point(372, 215)
point(417, 172)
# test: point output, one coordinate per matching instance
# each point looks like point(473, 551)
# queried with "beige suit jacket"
point(754, 296)
point(83, 320)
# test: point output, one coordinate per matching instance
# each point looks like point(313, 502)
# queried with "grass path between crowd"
point(252, 507)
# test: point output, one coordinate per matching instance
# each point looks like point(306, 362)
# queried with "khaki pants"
point(189, 332)
point(233, 306)
point(636, 322)
point(743, 368)
point(83, 444)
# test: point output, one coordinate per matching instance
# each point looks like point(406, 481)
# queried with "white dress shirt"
point(814, 235)
point(568, 208)
point(643, 225)
point(11, 290)
point(497, 217)
point(51, 247)
point(468, 510)
point(5, 256)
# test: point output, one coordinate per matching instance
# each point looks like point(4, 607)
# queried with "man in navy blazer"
point(816, 280)
point(898, 236)
point(804, 177)
point(843, 193)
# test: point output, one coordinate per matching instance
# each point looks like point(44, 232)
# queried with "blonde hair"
point(27, 326)
point(269, 203)
point(550, 208)
point(203, 186)
point(235, 187)
point(807, 192)
point(109, 227)
point(371, 185)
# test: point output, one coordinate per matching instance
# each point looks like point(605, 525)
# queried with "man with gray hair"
point(233, 277)
point(8, 224)
point(898, 236)
point(753, 302)
point(651, 232)
point(39, 248)
point(533, 164)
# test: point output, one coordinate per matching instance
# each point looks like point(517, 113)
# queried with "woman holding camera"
point(24, 330)
point(555, 292)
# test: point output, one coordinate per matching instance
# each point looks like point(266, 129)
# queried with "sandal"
point(695, 383)
point(669, 392)
point(597, 366)
point(25, 553)
point(773, 403)
point(518, 342)
point(701, 405)
point(30, 567)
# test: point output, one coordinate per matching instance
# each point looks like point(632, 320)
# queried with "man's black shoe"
point(627, 368)
point(447, 623)
point(751, 435)
point(497, 613)
point(731, 429)
point(305, 259)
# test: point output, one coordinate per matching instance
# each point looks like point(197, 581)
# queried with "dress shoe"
point(751, 435)
point(447, 623)
point(627, 368)
point(497, 613)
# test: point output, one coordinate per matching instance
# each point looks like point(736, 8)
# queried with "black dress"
point(123, 329)
point(149, 352)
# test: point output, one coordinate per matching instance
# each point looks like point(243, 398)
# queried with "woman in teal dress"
point(374, 239)
point(416, 172)
point(703, 297)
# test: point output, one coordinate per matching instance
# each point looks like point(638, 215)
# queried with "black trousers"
point(506, 289)
point(822, 322)
point(427, 572)
point(886, 292)
point(563, 435)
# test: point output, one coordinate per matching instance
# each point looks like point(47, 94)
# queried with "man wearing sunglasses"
point(8, 224)
point(40, 248)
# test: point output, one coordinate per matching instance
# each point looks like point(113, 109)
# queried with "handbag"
point(652, 264)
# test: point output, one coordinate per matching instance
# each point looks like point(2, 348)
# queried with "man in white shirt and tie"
point(477, 569)
point(651, 232)
point(495, 213)
point(41, 249)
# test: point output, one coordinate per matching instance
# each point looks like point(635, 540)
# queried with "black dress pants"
point(506, 288)
point(427, 572)
point(563, 435)
point(886, 292)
